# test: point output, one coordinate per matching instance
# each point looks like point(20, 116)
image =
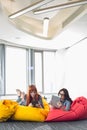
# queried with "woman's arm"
point(67, 105)
point(59, 104)
point(40, 103)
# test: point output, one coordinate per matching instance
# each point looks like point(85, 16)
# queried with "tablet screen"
point(54, 101)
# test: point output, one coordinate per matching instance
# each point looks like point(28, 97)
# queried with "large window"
point(38, 70)
point(21, 67)
point(15, 69)
point(45, 71)
point(49, 72)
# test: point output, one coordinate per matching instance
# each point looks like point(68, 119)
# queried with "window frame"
point(2, 47)
point(5, 94)
point(30, 59)
point(41, 52)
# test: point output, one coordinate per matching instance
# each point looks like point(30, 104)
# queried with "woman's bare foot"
point(22, 95)
point(18, 92)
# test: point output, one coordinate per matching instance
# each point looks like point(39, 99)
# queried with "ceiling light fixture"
point(45, 26)
point(61, 6)
point(29, 8)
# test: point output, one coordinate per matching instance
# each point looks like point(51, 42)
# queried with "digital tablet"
point(54, 101)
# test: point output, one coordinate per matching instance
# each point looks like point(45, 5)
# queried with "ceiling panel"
point(33, 24)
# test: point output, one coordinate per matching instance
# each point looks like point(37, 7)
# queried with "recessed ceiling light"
point(45, 26)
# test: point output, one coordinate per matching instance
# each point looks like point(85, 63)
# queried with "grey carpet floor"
point(14, 125)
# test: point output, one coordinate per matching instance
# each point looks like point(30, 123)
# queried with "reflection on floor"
point(14, 125)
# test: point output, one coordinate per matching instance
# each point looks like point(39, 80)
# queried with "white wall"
point(60, 69)
point(75, 62)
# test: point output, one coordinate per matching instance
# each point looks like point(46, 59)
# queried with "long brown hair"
point(66, 94)
point(29, 98)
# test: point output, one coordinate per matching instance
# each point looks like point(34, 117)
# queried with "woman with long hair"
point(65, 100)
point(33, 98)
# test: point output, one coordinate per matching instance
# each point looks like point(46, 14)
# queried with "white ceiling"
point(71, 35)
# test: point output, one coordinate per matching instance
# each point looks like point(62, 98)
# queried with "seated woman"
point(65, 100)
point(33, 98)
point(21, 97)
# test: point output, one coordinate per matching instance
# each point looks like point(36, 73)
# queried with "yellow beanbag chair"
point(7, 109)
point(27, 113)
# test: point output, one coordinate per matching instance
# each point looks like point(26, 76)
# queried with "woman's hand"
point(38, 105)
point(59, 104)
point(30, 105)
